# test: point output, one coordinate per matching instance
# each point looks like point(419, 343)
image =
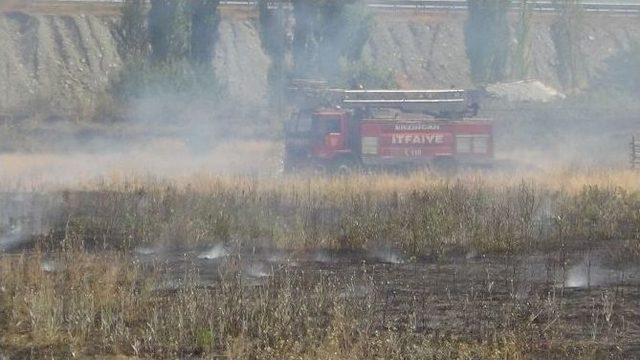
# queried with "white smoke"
point(586, 274)
point(13, 238)
point(388, 256)
point(216, 252)
point(257, 270)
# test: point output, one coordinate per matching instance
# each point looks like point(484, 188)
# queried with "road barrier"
point(431, 5)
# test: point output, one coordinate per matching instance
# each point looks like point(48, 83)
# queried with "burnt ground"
point(590, 302)
point(587, 302)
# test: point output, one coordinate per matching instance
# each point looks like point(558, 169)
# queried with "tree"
point(487, 39)
point(273, 34)
point(621, 73)
point(305, 43)
point(347, 26)
point(328, 32)
point(522, 55)
point(133, 30)
point(565, 33)
point(204, 30)
point(182, 36)
point(169, 29)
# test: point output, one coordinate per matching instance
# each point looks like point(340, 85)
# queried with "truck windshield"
point(323, 126)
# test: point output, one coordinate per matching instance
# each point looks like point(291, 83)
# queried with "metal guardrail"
point(635, 152)
point(432, 5)
point(541, 6)
point(462, 5)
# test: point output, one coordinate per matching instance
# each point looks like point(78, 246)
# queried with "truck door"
point(328, 134)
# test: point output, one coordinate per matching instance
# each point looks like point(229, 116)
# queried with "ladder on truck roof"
point(310, 94)
point(436, 102)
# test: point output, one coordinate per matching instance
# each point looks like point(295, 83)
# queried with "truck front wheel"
point(345, 167)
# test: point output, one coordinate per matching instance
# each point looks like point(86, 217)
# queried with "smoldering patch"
point(324, 257)
point(589, 273)
point(388, 256)
point(15, 238)
point(257, 270)
point(217, 252)
point(50, 266)
point(281, 258)
point(147, 250)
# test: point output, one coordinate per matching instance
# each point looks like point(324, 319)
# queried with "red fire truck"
point(342, 130)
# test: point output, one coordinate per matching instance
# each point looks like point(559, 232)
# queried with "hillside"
point(428, 50)
point(62, 61)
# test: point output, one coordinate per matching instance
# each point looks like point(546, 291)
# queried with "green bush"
point(179, 79)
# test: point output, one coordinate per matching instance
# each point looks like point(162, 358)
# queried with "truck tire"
point(345, 167)
point(319, 169)
point(344, 170)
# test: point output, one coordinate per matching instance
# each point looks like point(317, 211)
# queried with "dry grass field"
point(476, 266)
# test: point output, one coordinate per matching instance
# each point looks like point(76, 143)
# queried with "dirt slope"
point(57, 61)
point(240, 60)
point(425, 51)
